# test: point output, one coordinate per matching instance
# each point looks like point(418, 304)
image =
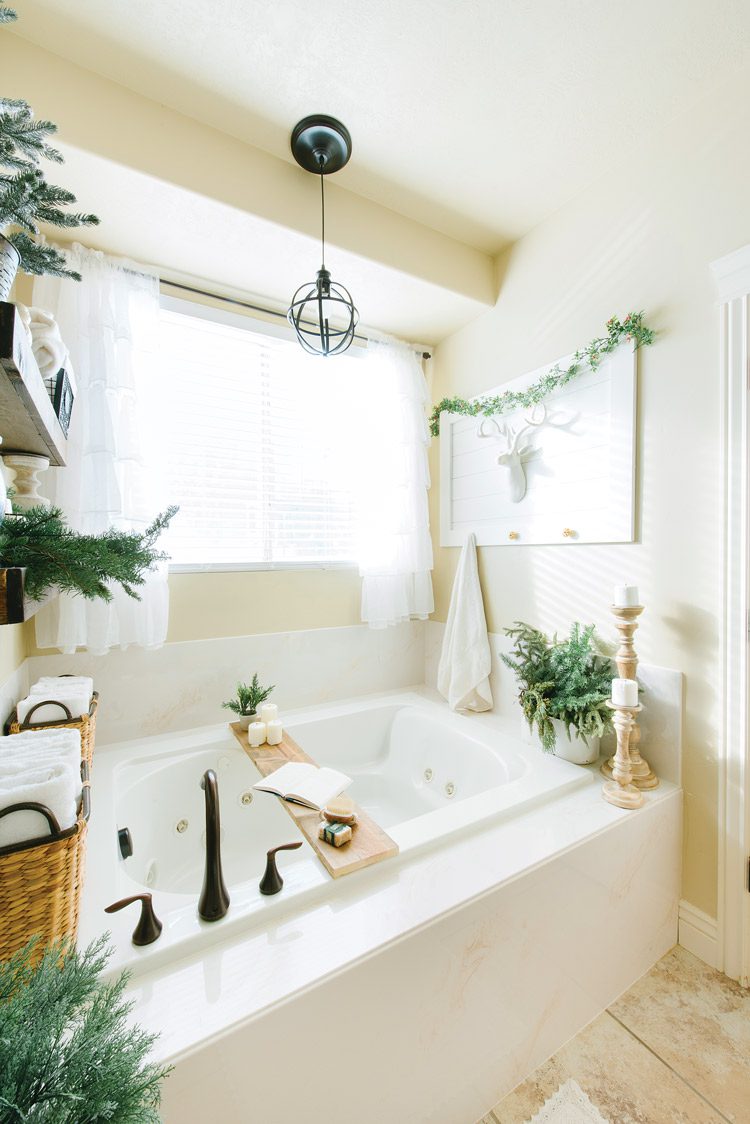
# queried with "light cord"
point(322, 218)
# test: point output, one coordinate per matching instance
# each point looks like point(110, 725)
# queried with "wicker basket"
point(41, 879)
point(86, 724)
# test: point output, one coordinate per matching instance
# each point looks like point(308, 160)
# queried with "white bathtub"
point(423, 773)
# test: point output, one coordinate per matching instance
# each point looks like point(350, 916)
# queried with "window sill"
point(238, 567)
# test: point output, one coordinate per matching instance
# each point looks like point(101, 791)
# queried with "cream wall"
point(249, 602)
point(245, 603)
point(12, 649)
point(641, 238)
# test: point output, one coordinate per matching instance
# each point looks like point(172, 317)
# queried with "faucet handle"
point(149, 926)
point(271, 882)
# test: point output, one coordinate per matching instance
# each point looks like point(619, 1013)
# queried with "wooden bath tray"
point(370, 844)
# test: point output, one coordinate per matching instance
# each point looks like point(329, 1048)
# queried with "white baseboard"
point(699, 934)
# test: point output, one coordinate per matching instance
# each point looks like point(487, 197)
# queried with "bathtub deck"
point(369, 845)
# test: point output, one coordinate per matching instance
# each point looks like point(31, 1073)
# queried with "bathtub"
point(424, 774)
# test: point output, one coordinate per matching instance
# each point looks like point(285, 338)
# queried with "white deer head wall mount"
point(512, 455)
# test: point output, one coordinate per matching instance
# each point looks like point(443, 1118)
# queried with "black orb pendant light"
point(322, 312)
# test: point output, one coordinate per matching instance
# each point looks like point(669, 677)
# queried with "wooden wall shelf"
point(28, 420)
point(14, 606)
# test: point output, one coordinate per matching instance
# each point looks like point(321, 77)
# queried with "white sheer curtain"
point(109, 322)
point(395, 546)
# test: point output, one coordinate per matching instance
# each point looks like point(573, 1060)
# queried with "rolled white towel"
point(51, 785)
point(46, 342)
point(63, 681)
point(27, 751)
point(14, 772)
point(25, 315)
point(77, 702)
point(14, 743)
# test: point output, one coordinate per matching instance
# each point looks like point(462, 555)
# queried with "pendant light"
point(322, 312)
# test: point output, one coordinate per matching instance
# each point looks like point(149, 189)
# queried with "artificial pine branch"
point(57, 557)
point(23, 141)
point(68, 1052)
point(41, 260)
point(26, 199)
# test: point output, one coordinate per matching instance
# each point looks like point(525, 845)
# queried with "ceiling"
point(164, 225)
point(476, 118)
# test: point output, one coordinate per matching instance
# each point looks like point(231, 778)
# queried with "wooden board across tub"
point(370, 844)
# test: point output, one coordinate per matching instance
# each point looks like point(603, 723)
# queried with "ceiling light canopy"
point(322, 312)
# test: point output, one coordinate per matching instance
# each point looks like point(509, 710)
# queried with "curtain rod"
point(258, 308)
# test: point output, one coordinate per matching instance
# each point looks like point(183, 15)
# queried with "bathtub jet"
point(214, 900)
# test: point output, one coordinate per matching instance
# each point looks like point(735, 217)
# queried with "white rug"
point(569, 1105)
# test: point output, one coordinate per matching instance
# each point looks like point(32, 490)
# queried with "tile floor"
point(676, 1047)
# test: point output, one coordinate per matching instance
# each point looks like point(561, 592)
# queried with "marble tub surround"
point(478, 950)
point(660, 721)
point(681, 1035)
point(181, 686)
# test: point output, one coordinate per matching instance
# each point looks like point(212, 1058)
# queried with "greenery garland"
point(591, 356)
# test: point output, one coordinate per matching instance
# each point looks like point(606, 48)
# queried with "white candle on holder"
point(626, 596)
point(274, 732)
point(625, 692)
point(269, 712)
point(256, 734)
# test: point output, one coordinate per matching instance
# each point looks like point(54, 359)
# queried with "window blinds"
point(258, 446)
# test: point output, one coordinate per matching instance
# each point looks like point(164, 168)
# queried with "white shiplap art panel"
point(578, 460)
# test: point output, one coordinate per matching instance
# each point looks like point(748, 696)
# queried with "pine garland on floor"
point(59, 558)
point(590, 357)
point(68, 1052)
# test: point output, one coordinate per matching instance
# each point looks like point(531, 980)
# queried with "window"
point(258, 444)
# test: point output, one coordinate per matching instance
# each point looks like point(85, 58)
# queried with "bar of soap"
point(337, 834)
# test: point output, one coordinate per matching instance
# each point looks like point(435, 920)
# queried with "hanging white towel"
point(466, 660)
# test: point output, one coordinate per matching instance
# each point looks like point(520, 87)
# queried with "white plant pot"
point(245, 719)
point(574, 748)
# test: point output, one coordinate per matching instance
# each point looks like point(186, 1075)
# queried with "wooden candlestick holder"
point(620, 790)
point(643, 775)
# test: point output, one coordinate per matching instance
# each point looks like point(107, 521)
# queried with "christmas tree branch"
point(56, 557)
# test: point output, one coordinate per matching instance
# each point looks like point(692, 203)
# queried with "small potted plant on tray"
point(247, 701)
point(563, 689)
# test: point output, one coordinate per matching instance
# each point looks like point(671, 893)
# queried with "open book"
point(305, 784)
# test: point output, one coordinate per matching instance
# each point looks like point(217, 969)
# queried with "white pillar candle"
point(626, 596)
point(269, 712)
point(625, 692)
point(274, 732)
point(256, 734)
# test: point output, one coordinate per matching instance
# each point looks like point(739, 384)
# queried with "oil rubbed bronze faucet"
point(214, 900)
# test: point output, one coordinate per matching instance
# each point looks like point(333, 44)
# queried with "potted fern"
point(563, 689)
point(247, 701)
point(26, 198)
